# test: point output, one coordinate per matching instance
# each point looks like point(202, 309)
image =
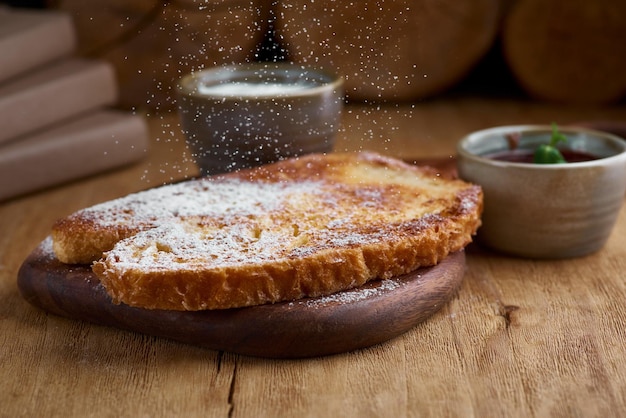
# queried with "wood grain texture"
point(560, 353)
point(386, 50)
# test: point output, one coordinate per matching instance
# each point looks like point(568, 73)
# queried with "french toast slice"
point(302, 227)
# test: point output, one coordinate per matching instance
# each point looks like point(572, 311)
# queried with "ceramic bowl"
point(246, 115)
point(546, 210)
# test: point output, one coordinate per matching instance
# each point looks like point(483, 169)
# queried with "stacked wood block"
point(57, 116)
point(152, 43)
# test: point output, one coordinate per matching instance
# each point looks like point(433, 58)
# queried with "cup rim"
point(324, 80)
point(613, 139)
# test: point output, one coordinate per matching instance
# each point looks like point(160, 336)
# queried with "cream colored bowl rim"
point(323, 80)
point(505, 129)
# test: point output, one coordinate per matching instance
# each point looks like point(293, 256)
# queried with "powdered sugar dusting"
point(196, 198)
point(46, 248)
point(224, 222)
point(353, 295)
point(278, 216)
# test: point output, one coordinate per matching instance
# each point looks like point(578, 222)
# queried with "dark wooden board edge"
point(344, 322)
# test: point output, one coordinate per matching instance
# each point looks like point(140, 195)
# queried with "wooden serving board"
point(339, 323)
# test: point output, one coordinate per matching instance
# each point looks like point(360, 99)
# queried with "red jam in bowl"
point(526, 156)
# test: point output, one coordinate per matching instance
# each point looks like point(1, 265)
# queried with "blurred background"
point(90, 85)
point(558, 51)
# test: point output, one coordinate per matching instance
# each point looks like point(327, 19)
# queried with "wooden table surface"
point(522, 338)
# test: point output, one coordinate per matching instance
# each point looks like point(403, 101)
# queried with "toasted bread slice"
point(301, 227)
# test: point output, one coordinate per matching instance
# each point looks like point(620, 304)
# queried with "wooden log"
point(390, 50)
point(571, 51)
point(153, 43)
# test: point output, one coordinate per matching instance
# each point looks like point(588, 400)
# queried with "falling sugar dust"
point(393, 55)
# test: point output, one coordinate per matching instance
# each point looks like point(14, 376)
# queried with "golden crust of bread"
point(301, 227)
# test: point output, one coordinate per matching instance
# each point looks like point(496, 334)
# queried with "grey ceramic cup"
point(546, 210)
point(246, 115)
